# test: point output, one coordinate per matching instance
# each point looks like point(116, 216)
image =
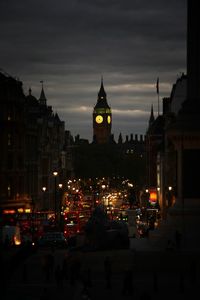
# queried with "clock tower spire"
point(102, 118)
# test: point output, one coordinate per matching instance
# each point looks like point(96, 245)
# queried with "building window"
point(9, 191)
point(9, 139)
point(20, 162)
point(10, 162)
point(129, 151)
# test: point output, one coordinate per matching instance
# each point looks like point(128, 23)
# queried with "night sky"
point(70, 44)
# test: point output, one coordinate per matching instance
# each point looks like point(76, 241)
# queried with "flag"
point(157, 86)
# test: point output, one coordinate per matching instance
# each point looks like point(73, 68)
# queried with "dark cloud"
point(70, 43)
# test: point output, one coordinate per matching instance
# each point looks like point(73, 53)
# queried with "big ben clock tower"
point(102, 118)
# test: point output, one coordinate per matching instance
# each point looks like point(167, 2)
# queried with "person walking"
point(48, 266)
point(86, 277)
point(25, 273)
point(108, 271)
point(127, 288)
point(178, 238)
point(44, 294)
point(59, 277)
point(85, 294)
point(65, 268)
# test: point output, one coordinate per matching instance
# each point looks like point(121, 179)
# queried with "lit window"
point(9, 191)
point(9, 139)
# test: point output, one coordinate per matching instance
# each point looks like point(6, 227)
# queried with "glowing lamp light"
point(153, 197)
point(17, 241)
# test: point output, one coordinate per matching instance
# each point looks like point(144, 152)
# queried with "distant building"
point(102, 118)
point(161, 158)
point(13, 190)
point(177, 151)
point(33, 146)
point(105, 157)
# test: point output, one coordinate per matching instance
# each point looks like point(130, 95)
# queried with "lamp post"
point(55, 174)
point(170, 200)
point(103, 196)
point(60, 202)
point(44, 190)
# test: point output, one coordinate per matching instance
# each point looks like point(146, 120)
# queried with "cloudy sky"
point(70, 44)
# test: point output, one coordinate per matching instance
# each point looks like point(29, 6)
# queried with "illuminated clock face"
point(109, 119)
point(99, 119)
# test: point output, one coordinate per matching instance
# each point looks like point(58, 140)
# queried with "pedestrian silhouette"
point(155, 282)
point(25, 273)
point(74, 269)
point(48, 266)
point(127, 288)
point(86, 278)
point(44, 294)
point(6, 242)
point(193, 272)
point(170, 245)
point(108, 271)
point(65, 268)
point(89, 279)
point(178, 238)
point(145, 296)
point(85, 294)
point(181, 282)
point(59, 277)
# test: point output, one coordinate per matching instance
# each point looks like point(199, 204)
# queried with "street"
point(159, 274)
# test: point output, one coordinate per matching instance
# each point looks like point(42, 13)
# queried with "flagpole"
point(157, 89)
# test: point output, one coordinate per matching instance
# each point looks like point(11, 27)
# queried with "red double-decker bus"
point(74, 222)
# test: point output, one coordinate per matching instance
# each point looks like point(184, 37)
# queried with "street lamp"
point(55, 174)
point(170, 196)
point(60, 202)
point(103, 195)
point(44, 190)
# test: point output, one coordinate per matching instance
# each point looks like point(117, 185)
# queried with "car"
point(143, 230)
point(56, 239)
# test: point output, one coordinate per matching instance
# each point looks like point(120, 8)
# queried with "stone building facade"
point(33, 146)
